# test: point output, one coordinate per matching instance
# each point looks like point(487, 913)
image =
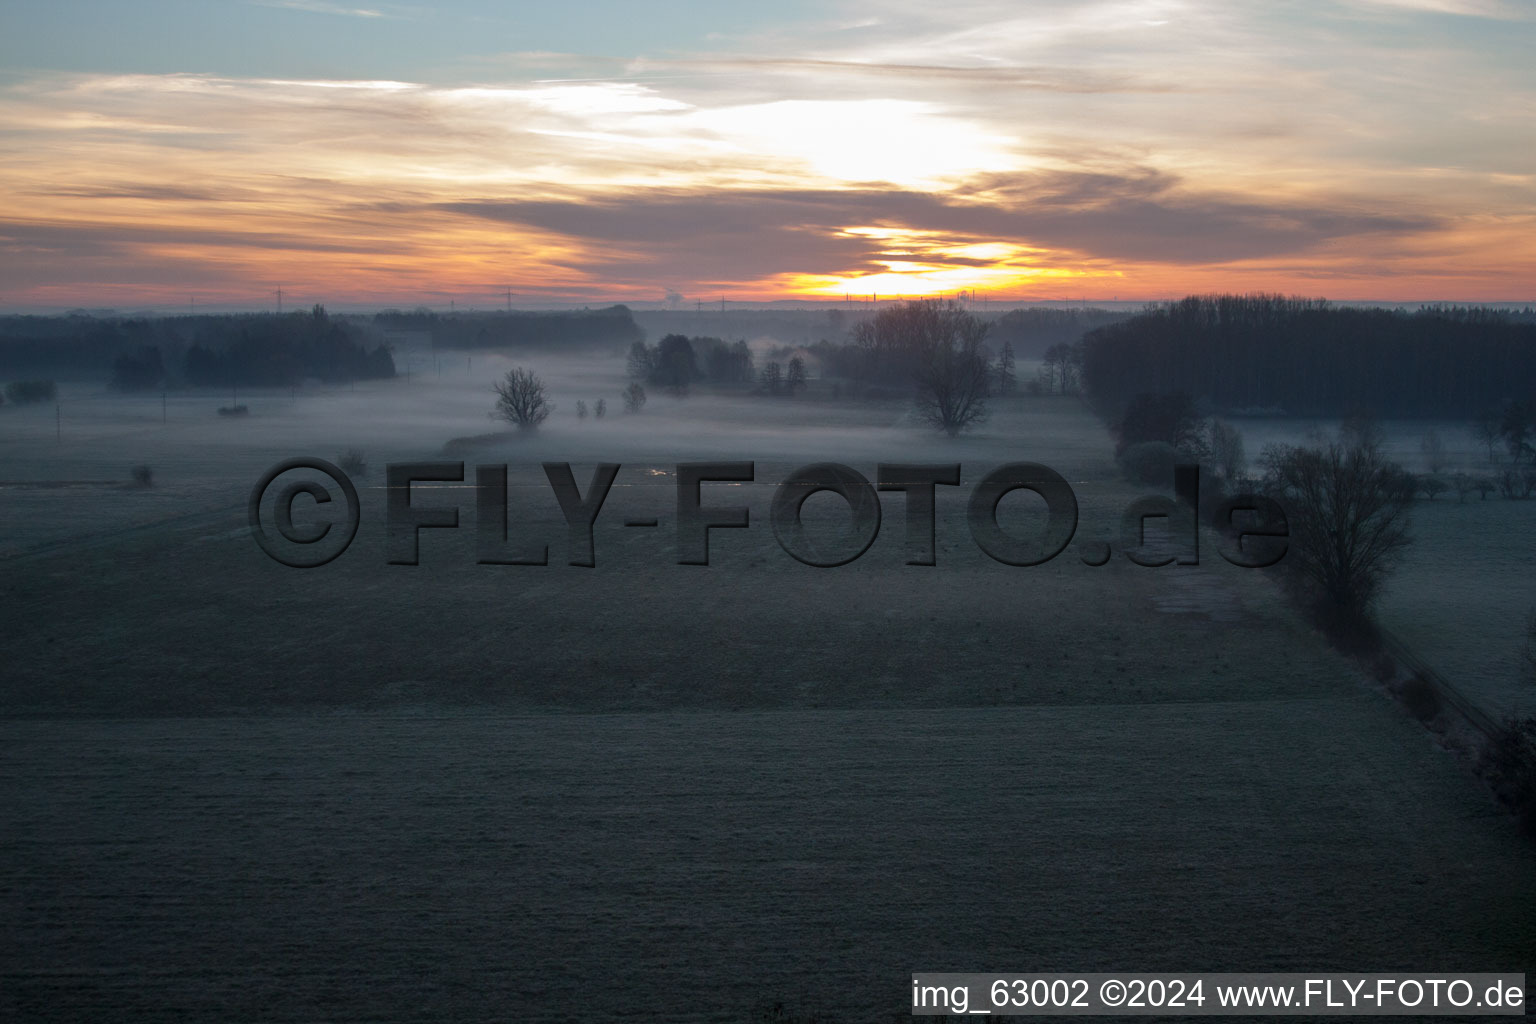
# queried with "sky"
point(169, 153)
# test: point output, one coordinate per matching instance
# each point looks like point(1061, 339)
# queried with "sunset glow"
point(1127, 150)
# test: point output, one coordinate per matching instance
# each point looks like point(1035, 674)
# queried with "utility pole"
point(509, 300)
point(162, 405)
point(279, 300)
point(58, 421)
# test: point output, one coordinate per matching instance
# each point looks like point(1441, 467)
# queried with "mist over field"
point(723, 513)
point(239, 788)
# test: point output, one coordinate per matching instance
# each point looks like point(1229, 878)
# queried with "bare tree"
point(773, 377)
point(1485, 429)
point(951, 371)
point(795, 379)
point(1226, 443)
point(522, 400)
point(1348, 509)
point(1007, 381)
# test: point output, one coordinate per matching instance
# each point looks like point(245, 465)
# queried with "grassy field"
point(650, 791)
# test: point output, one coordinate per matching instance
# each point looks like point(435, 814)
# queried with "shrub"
point(24, 392)
point(353, 462)
point(233, 410)
point(142, 476)
point(1150, 462)
point(1508, 762)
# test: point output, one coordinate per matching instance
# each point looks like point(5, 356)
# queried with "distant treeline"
point(882, 361)
point(141, 353)
point(612, 327)
point(1032, 331)
point(1306, 357)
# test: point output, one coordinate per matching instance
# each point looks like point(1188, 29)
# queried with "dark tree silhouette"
point(950, 368)
point(1485, 430)
point(1061, 367)
point(795, 379)
point(1007, 382)
point(773, 377)
point(140, 370)
point(634, 397)
point(1226, 445)
point(1312, 359)
point(641, 362)
point(1170, 418)
point(521, 399)
point(1347, 507)
point(674, 367)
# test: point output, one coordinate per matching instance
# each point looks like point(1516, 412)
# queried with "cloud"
point(1136, 142)
point(321, 7)
point(1499, 10)
point(1133, 216)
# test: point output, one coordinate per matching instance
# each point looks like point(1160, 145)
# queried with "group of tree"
point(941, 348)
point(149, 353)
point(280, 351)
point(1158, 431)
point(1060, 369)
point(1510, 424)
point(777, 380)
point(678, 362)
point(1307, 357)
point(1031, 333)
